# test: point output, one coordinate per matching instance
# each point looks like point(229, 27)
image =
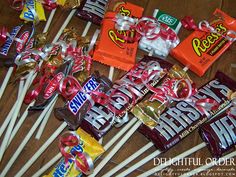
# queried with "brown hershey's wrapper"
point(92, 11)
point(219, 134)
point(98, 120)
point(183, 118)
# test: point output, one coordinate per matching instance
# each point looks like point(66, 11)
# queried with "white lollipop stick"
point(72, 12)
point(7, 119)
point(47, 165)
point(111, 73)
point(14, 115)
point(140, 163)
point(43, 125)
point(173, 160)
point(151, 156)
point(41, 149)
point(9, 116)
point(21, 86)
point(20, 122)
point(26, 139)
point(45, 120)
point(116, 148)
point(5, 81)
point(52, 13)
point(209, 165)
point(106, 147)
point(86, 29)
point(128, 160)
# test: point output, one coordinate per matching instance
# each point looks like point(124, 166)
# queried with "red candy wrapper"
point(11, 47)
point(183, 118)
point(125, 93)
point(220, 132)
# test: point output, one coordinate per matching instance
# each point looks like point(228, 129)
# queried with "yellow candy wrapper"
point(87, 145)
point(33, 11)
point(69, 3)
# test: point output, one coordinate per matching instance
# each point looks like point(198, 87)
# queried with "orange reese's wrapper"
point(112, 50)
point(200, 49)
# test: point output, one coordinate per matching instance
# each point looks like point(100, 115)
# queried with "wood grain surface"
point(199, 10)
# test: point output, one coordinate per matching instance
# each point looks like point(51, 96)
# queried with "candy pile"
point(154, 97)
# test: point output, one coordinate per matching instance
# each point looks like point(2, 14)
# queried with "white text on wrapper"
point(81, 97)
point(5, 48)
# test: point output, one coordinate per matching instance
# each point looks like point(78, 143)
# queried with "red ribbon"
point(232, 111)
point(207, 104)
point(188, 23)
point(19, 4)
point(30, 96)
point(85, 164)
point(49, 4)
point(146, 27)
point(69, 87)
point(169, 91)
point(3, 35)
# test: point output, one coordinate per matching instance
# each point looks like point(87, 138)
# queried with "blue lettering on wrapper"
point(80, 98)
point(5, 48)
point(29, 14)
point(61, 169)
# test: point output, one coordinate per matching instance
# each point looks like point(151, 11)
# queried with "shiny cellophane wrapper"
point(69, 4)
point(70, 34)
point(150, 110)
point(88, 145)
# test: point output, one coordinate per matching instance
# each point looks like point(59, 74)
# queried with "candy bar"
point(125, 93)
point(149, 111)
point(33, 11)
point(10, 49)
point(82, 101)
point(220, 133)
point(203, 47)
point(112, 50)
point(87, 145)
point(92, 10)
point(183, 118)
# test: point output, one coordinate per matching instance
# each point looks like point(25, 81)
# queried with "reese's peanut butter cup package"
point(203, 47)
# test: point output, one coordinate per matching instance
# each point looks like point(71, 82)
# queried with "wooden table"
point(198, 9)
